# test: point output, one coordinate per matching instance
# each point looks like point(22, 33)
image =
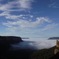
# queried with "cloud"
point(26, 24)
point(43, 19)
point(4, 7)
point(25, 3)
point(38, 44)
point(7, 15)
point(17, 4)
point(53, 5)
point(28, 28)
point(50, 26)
point(25, 28)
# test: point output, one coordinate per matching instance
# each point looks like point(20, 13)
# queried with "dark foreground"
point(6, 52)
point(17, 54)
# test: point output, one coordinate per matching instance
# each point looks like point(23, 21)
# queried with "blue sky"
point(29, 18)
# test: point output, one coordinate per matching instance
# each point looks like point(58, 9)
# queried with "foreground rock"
point(44, 53)
point(55, 56)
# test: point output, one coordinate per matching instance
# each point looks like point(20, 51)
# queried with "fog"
point(34, 44)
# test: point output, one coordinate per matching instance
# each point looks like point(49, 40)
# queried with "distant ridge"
point(25, 38)
point(10, 39)
point(54, 38)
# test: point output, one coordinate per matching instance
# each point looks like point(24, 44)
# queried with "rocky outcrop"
point(55, 56)
point(6, 41)
point(56, 38)
point(6, 53)
point(10, 39)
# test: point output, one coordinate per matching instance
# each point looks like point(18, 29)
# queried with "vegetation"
point(43, 54)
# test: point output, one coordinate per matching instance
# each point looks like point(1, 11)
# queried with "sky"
point(29, 18)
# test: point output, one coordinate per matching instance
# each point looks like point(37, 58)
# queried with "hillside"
point(43, 54)
point(10, 39)
point(56, 38)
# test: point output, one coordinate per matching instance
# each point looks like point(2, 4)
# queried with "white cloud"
point(53, 5)
point(18, 4)
point(38, 44)
point(25, 3)
point(5, 7)
point(50, 26)
point(42, 19)
point(25, 23)
point(28, 28)
point(7, 15)
point(24, 27)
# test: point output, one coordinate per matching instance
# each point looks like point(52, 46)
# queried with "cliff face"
point(43, 54)
point(6, 53)
point(56, 56)
point(10, 39)
point(5, 42)
point(57, 47)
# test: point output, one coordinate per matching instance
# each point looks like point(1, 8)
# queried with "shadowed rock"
point(54, 38)
point(10, 39)
point(55, 56)
point(6, 53)
point(5, 42)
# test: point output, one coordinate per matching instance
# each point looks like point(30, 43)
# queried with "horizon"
point(29, 18)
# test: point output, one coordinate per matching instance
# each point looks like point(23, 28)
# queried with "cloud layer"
point(25, 23)
point(36, 44)
point(17, 4)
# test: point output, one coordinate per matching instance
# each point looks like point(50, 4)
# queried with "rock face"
point(54, 38)
point(6, 53)
point(5, 42)
point(55, 56)
point(10, 39)
point(57, 47)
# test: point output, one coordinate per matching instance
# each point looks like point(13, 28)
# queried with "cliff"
point(6, 53)
point(56, 38)
point(56, 56)
point(43, 53)
point(6, 41)
point(10, 39)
